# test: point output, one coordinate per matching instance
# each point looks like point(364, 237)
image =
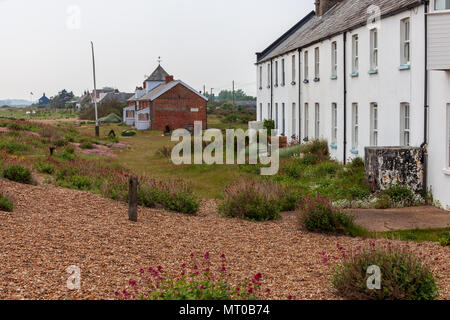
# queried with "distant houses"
point(165, 104)
point(44, 100)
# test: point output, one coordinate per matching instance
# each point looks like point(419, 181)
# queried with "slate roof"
point(158, 75)
point(346, 15)
point(163, 88)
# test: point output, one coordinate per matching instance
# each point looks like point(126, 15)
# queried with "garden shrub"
point(444, 239)
point(44, 167)
point(165, 151)
point(86, 145)
point(13, 147)
point(80, 182)
point(318, 148)
point(5, 203)
point(317, 214)
point(17, 173)
point(251, 199)
point(404, 276)
point(196, 280)
point(69, 149)
point(174, 195)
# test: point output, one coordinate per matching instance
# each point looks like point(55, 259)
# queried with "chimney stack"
point(169, 79)
point(322, 6)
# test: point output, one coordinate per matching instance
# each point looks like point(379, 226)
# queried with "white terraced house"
point(365, 73)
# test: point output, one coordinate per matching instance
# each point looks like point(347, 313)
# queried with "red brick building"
point(165, 103)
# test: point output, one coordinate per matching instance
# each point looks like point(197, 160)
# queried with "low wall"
point(386, 166)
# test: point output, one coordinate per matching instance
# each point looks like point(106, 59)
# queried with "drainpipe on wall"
point(271, 89)
point(300, 95)
point(345, 97)
point(424, 145)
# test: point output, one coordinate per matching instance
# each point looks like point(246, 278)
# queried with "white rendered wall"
point(438, 169)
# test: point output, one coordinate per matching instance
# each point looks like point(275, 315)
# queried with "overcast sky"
point(45, 44)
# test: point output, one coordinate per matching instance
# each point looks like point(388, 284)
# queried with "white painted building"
point(364, 73)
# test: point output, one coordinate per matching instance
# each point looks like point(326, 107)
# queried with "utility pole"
point(212, 95)
point(233, 92)
point(97, 128)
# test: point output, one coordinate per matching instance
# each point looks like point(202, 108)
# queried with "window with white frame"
point(306, 65)
point(260, 112)
point(317, 63)
point(441, 4)
point(268, 75)
point(283, 119)
point(355, 126)
point(374, 49)
point(317, 121)
point(283, 73)
point(294, 120)
point(448, 135)
point(276, 73)
point(276, 116)
point(405, 41)
point(405, 124)
point(334, 59)
point(293, 69)
point(355, 53)
point(334, 123)
point(260, 77)
point(374, 124)
point(306, 121)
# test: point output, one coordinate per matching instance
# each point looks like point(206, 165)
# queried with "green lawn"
point(207, 181)
point(41, 114)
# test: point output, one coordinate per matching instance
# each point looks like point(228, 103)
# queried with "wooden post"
point(133, 200)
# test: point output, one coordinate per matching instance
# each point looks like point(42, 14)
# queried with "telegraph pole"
point(97, 128)
point(233, 92)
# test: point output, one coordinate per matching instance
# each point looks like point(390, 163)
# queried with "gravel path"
point(53, 228)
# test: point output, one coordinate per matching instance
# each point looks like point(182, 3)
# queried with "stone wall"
point(386, 166)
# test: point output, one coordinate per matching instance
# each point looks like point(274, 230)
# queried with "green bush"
point(69, 149)
point(6, 204)
point(80, 182)
point(399, 193)
point(44, 167)
point(318, 148)
point(444, 239)
point(404, 276)
point(317, 214)
point(251, 199)
point(13, 147)
point(86, 145)
point(171, 195)
point(17, 173)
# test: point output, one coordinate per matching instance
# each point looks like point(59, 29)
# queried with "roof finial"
point(159, 60)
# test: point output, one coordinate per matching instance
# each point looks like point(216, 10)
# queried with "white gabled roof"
point(163, 88)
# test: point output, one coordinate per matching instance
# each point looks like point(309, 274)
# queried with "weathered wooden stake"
point(133, 200)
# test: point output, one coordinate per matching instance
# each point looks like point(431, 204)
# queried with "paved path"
point(402, 219)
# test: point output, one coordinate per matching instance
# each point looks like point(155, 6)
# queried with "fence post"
point(133, 200)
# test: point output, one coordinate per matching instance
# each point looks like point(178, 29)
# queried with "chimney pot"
point(169, 79)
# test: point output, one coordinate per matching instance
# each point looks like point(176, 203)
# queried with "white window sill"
point(446, 171)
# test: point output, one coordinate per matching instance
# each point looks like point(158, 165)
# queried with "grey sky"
point(209, 42)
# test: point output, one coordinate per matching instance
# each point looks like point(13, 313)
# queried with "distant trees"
point(104, 109)
point(227, 96)
point(62, 99)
